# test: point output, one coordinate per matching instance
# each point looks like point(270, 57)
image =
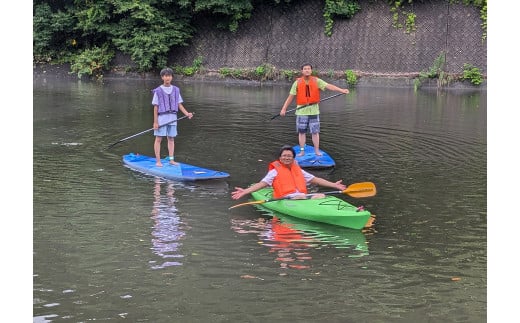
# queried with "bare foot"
point(317, 153)
point(158, 164)
point(301, 153)
point(174, 163)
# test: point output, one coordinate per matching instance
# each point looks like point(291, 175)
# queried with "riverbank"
point(400, 80)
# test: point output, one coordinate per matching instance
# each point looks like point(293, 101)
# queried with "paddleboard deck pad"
point(180, 172)
point(311, 160)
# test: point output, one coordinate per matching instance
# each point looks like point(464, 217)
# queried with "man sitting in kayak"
point(288, 179)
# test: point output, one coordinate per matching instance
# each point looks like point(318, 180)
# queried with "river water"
point(112, 244)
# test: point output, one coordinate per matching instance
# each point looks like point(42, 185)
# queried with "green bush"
point(225, 71)
point(197, 63)
point(238, 73)
point(260, 71)
point(188, 71)
point(92, 62)
point(351, 77)
point(472, 74)
point(289, 74)
point(266, 71)
point(435, 71)
point(196, 66)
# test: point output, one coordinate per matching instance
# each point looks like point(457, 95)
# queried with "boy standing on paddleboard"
point(306, 89)
point(167, 101)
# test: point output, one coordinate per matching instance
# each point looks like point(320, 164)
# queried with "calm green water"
point(110, 244)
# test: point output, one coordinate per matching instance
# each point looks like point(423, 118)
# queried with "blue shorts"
point(167, 130)
point(309, 123)
point(169, 120)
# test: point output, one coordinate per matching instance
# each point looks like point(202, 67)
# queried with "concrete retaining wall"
point(367, 43)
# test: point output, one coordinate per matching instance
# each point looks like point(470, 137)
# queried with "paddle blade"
point(363, 189)
point(112, 145)
point(248, 203)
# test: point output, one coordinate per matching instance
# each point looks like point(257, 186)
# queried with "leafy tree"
point(229, 13)
point(53, 34)
point(146, 30)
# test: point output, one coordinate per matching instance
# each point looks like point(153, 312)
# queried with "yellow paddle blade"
point(363, 189)
point(248, 203)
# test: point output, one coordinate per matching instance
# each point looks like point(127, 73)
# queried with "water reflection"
point(293, 241)
point(168, 229)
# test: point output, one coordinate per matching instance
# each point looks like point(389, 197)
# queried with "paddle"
point(357, 190)
point(303, 106)
point(142, 132)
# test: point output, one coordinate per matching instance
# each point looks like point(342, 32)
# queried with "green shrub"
point(225, 71)
point(177, 69)
point(351, 77)
point(238, 73)
point(260, 71)
point(266, 71)
point(189, 70)
point(197, 63)
point(472, 74)
point(435, 71)
point(92, 62)
point(289, 74)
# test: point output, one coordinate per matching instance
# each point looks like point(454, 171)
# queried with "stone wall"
point(367, 43)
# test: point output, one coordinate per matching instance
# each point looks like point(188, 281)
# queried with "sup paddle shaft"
point(303, 106)
point(143, 132)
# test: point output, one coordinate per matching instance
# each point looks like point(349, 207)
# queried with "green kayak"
point(330, 209)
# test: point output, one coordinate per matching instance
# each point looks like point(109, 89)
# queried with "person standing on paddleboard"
point(287, 179)
point(167, 101)
point(306, 89)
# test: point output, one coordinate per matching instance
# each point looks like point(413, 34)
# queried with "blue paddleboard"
point(311, 160)
point(181, 172)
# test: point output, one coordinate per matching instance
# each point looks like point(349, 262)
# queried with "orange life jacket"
point(288, 180)
point(307, 93)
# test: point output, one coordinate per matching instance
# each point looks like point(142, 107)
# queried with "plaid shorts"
point(310, 123)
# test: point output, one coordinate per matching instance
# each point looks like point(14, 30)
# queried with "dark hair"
point(306, 64)
point(166, 71)
point(287, 147)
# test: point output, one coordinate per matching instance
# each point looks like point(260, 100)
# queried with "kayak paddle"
point(142, 132)
point(303, 106)
point(357, 190)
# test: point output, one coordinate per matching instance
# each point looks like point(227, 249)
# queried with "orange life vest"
point(288, 180)
point(307, 93)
